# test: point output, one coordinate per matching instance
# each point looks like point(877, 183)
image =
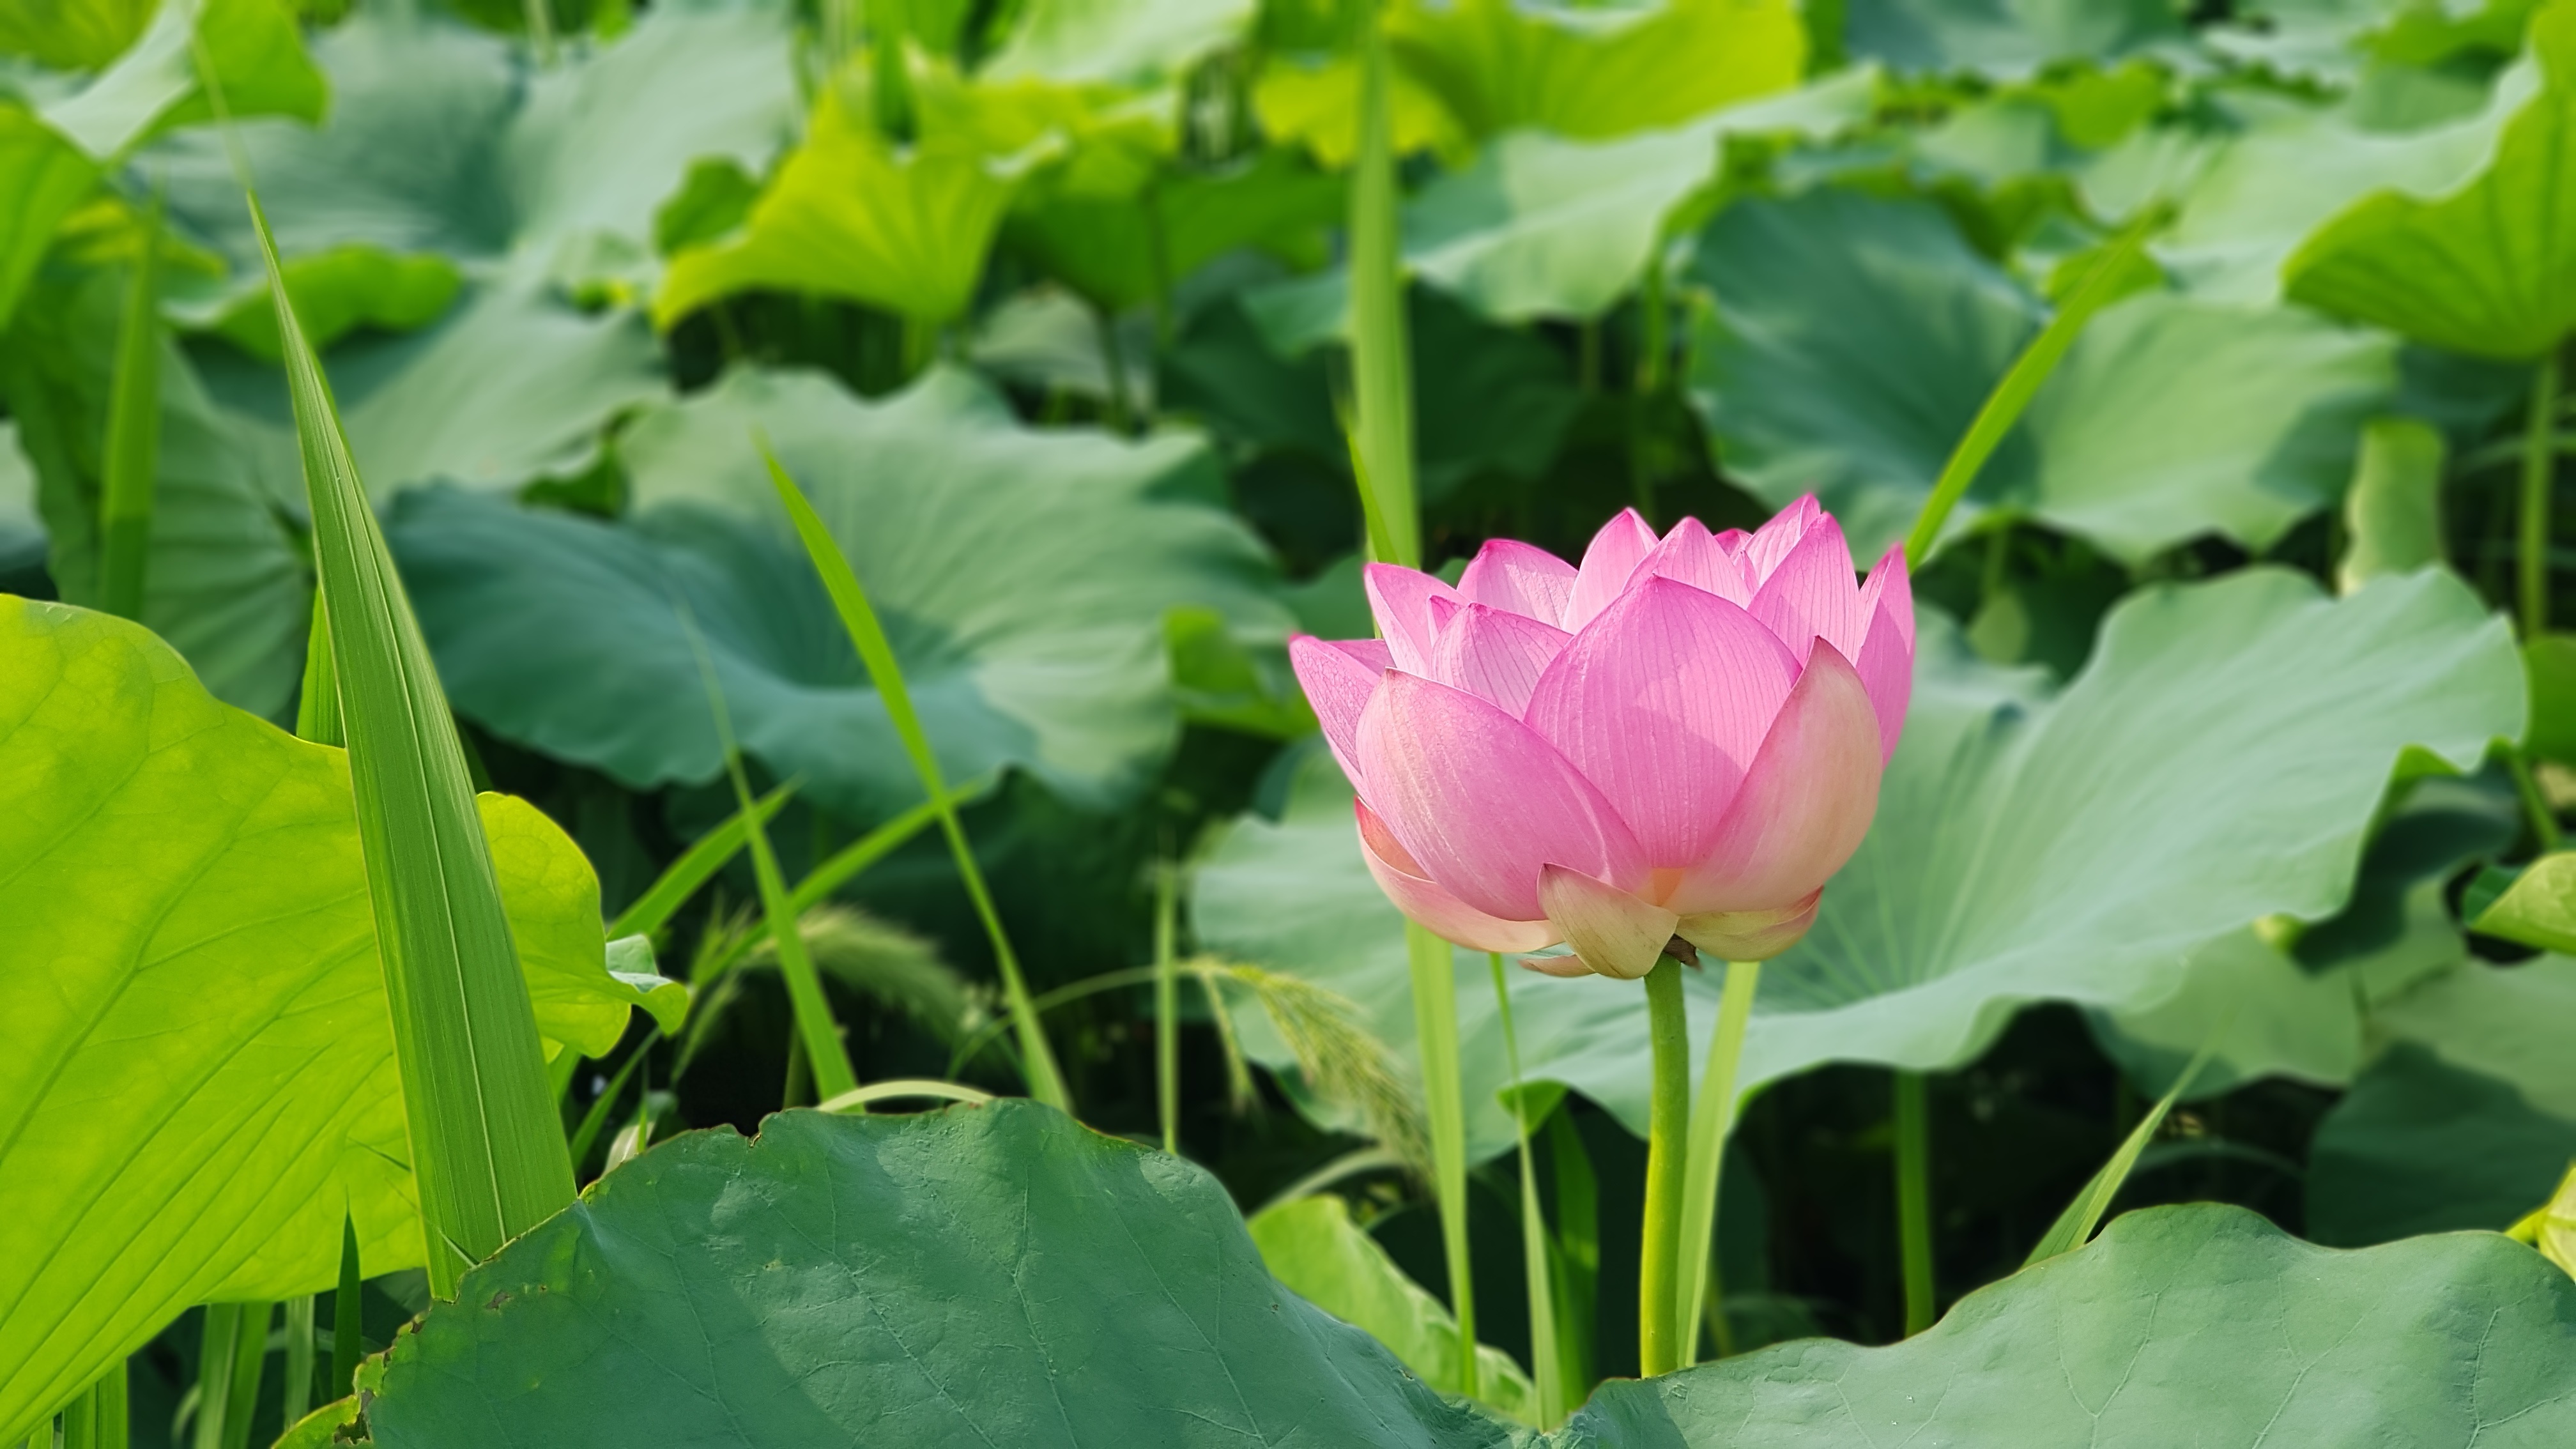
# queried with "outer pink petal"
point(1615, 933)
point(1401, 599)
point(1750, 935)
point(1439, 912)
point(1663, 703)
point(1889, 585)
point(1691, 555)
point(1613, 556)
point(1772, 542)
point(1495, 655)
point(1481, 801)
point(1556, 965)
point(1804, 805)
point(1886, 666)
point(1813, 594)
point(1338, 677)
point(1520, 577)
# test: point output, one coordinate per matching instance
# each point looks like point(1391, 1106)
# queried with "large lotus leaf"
point(439, 141)
point(73, 34)
point(1595, 72)
point(1117, 40)
point(2466, 1120)
point(2006, 39)
point(851, 215)
point(996, 1275)
point(1312, 1246)
point(42, 178)
point(1541, 226)
point(200, 1078)
point(2292, 169)
point(981, 542)
point(2180, 1325)
point(1125, 251)
point(2255, 723)
point(224, 579)
point(1855, 339)
point(512, 385)
point(2488, 267)
point(252, 46)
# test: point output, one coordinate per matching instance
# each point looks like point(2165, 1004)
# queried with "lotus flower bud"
point(1684, 736)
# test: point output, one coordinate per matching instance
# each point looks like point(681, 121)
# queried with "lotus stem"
point(1547, 1371)
point(1659, 1285)
point(2538, 470)
point(1914, 1200)
point(1167, 1005)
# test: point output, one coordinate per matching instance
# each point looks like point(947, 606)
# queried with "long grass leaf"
point(825, 1052)
point(2076, 1224)
point(1547, 1370)
point(2111, 278)
point(348, 1312)
point(1381, 354)
point(487, 1146)
point(1713, 1112)
point(705, 856)
point(595, 1121)
point(867, 635)
point(133, 453)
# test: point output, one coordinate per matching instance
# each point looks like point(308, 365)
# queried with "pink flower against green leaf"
point(1682, 737)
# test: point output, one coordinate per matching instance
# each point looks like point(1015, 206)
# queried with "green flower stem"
point(1435, 1027)
point(1712, 1119)
point(2538, 469)
point(1659, 1297)
point(1914, 1200)
point(1547, 1371)
point(1167, 1005)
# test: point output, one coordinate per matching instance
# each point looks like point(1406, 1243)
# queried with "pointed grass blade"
point(133, 453)
point(1045, 1081)
point(487, 1146)
point(704, 857)
point(2075, 1225)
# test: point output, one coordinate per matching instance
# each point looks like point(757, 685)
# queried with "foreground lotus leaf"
point(200, 1075)
point(1001, 1275)
point(2257, 723)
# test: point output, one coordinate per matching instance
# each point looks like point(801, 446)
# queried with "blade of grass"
point(487, 1146)
point(2076, 1224)
point(594, 1121)
point(705, 856)
point(348, 1314)
point(1381, 355)
point(825, 1054)
point(867, 635)
point(1547, 1370)
point(2106, 283)
point(858, 1099)
point(317, 705)
point(1578, 1243)
point(874, 846)
point(133, 454)
point(1435, 1028)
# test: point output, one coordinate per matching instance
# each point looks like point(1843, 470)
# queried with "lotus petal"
point(1509, 574)
point(1432, 906)
point(1804, 804)
point(1608, 564)
point(1615, 933)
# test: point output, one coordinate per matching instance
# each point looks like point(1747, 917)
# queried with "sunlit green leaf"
point(1106, 40)
point(1595, 72)
point(980, 538)
point(1314, 1249)
point(253, 47)
point(2487, 265)
point(201, 1077)
point(2006, 39)
point(2256, 724)
point(42, 177)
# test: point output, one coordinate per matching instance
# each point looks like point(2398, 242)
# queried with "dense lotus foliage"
point(1612, 724)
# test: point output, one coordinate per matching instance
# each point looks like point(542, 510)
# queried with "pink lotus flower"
point(1682, 737)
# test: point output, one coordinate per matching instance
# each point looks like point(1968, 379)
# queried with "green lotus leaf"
point(1595, 73)
point(1001, 1275)
point(43, 176)
point(981, 542)
point(2487, 266)
point(225, 582)
point(73, 34)
point(1121, 252)
point(253, 47)
point(1117, 40)
point(2179, 1325)
point(1855, 338)
point(851, 215)
point(2257, 724)
point(987, 1275)
point(201, 1076)
point(2006, 39)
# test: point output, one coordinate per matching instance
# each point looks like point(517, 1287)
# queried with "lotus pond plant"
point(1201, 722)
